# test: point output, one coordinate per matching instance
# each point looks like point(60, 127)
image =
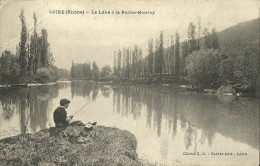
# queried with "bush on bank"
point(10, 71)
point(45, 75)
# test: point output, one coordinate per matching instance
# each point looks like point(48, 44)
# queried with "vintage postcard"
point(129, 82)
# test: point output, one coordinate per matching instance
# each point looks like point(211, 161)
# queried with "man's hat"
point(64, 101)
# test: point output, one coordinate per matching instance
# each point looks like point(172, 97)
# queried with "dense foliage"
point(9, 68)
point(90, 72)
point(230, 57)
point(206, 60)
point(202, 67)
point(64, 74)
point(45, 75)
point(33, 61)
point(242, 70)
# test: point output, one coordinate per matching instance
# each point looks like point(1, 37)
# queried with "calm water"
point(166, 122)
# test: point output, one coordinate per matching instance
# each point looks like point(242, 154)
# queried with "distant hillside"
point(243, 35)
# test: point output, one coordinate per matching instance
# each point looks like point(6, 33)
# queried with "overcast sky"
point(89, 37)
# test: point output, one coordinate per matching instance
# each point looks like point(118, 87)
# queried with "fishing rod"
point(86, 105)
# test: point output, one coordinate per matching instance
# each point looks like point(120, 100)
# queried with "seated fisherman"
point(60, 114)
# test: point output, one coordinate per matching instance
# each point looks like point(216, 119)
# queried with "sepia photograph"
point(129, 82)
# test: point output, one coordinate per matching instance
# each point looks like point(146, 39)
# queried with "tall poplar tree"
point(45, 49)
point(150, 57)
point(214, 39)
point(127, 63)
point(22, 56)
point(156, 55)
point(177, 55)
point(119, 62)
point(172, 56)
point(192, 37)
point(34, 49)
point(185, 53)
point(124, 64)
point(115, 71)
point(161, 54)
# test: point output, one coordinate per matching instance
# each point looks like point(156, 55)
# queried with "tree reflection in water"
point(192, 117)
point(87, 88)
point(32, 105)
point(190, 112)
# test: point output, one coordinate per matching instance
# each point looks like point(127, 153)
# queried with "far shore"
point(27, 84)
point(164, 85)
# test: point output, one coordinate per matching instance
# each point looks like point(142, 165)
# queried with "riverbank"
point(100, 146)
point(27, 85)
point(184, 87)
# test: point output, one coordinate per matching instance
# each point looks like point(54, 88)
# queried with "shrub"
point(202, 67)
point(45, 75)
point(9, 68)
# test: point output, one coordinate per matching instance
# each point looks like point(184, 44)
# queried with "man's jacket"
point(59, 116)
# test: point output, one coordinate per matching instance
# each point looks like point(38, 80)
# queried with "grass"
point(100, 146)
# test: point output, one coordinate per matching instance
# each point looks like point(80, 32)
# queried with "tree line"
point(131, 64)
point(199, 60)
point(64, 74)
point(90, 71)
point(33, 60)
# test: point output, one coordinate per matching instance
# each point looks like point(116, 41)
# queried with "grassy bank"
point(101, 146)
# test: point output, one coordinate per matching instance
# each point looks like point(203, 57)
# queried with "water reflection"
point(81, 88)
point(166, 121)
point(31, 104)
point(89, 89)
point(236, 120)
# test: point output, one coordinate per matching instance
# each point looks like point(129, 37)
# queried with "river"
point(170, 123)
